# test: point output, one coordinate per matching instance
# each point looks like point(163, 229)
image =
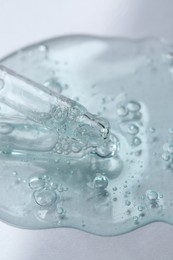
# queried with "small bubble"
point(152, 130)
point(61, 212)
point(170, 131)
point(141, 207)
point(6, 128)
point(136, 141)
point(165, 147)
point(100, 182)
point(133, 129)
point(151, 195)
point(114, 188)
point(14, 173)
point(2, 83)
point(128, 212)
point(166, 157)
point(43, 48)
point(60, 188)
point(45, 197)
point(36, 183)
point(76, 147)
point(138, 153)
point(74, 113)
point(110, 148)
point(170, 148)
point(53, 185)
point(127, 203)
point(136, 220)
point(122, 111)
point(133, 106)
point(53, 84)
point(103, 100)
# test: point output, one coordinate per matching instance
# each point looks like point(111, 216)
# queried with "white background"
point(23, 22)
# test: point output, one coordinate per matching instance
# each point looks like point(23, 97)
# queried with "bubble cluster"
point(110, 147)
point(129, 111)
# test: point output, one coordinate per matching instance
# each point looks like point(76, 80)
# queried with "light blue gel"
point(107, 171)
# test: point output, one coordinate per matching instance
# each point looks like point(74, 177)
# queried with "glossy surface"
point(120, 80)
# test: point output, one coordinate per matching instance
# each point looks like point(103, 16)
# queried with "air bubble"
point(14, 173)
point(2, 83)
point(141, 207)
point(136, 141)
point(151, 195)
point(133, 129)
point(53, 185)
point(76, 147)
point(6, 128)
point(43, 48)
point(122, 111)
point(45, 197)
point(61, 212)
point(170, 148)
point(133, 106)
point(152, 130)
point(136, 221)
point(36, 183)
point(170, 131)
point(110, 148)
point(54, 85)
point(100, 182)
point(127, 203)
point(74, 113)
point(166, 157)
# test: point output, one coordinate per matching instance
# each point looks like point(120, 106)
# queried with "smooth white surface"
point(24, 22)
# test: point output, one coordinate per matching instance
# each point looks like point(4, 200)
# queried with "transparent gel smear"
point(118, 175)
